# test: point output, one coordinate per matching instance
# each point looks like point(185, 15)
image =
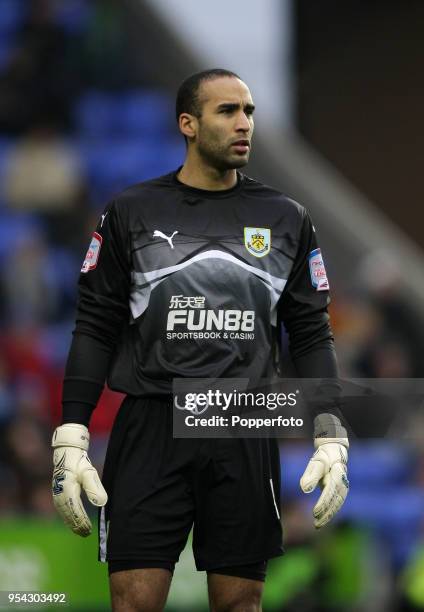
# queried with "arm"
point(304, 313)
point(103, 307)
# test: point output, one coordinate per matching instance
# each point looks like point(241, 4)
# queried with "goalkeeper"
point(202, 240)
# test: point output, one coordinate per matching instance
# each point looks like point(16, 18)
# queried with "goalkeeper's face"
point(223, 131)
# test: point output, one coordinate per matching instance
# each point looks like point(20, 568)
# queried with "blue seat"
point(136, 114)
point(390, 503)
point(94, 114)
point(396, 513)
point(73, 15)
point(15, 227)
point(65, 270)
point(378, 463)
point(12, 14)
point(55, 341)
point(112, 165)
point(373, 464)
point(389, 508)
point(145, 113)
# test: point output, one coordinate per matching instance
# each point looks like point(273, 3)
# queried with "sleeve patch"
point(92, 256)
point(317, 271)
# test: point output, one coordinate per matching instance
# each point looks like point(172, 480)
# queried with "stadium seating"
point(381, 495)
point(113, 164)
point(132, 114)
point(73, 15)
point(13, 229)
point(12, 15)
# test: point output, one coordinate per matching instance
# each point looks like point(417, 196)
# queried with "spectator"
point(43, 173)
point(31, 293)
point(29, 461)
point(37, 84)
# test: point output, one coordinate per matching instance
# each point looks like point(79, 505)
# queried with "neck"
point(196, 173)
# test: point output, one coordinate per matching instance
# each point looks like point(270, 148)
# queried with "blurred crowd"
point(53, 55)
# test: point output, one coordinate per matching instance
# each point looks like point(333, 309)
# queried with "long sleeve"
point(102, 310)
point(303, 311)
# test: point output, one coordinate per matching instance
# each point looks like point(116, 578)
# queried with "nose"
point(243, 122)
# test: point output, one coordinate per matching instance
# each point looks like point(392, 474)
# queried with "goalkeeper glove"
point(328, 468)
point(73, 470)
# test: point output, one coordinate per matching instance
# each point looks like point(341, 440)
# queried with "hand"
point(73, 470)
point(328, 468)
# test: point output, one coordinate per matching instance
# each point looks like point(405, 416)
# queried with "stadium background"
point(86, 108)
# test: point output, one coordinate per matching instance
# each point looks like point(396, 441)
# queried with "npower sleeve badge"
point(317, 270)
point(257, 240)
point(92, 256)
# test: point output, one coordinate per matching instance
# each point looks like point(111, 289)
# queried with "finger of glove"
point(331, 510)
point(312, 475)
point(93, 487)
point(69, 506)
point(334, 493)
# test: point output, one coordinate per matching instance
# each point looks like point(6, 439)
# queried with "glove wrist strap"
point(71, 434)
point(327, 428)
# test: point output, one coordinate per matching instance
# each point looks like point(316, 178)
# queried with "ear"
point(188, 125)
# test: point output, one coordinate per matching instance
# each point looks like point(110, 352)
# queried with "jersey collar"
point(206, 193)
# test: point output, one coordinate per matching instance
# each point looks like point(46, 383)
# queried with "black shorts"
point(160, 486)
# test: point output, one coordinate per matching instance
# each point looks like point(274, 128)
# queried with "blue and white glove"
point(73, 470)
point(328, 468)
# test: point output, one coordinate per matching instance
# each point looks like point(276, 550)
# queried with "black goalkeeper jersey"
point(183, 282)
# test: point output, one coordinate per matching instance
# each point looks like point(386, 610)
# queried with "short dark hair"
point(188, 92)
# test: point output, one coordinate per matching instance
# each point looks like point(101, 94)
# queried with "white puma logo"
point(159, 234)
point(103, 218)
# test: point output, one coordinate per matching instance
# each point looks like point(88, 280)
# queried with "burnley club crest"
point(257, 240)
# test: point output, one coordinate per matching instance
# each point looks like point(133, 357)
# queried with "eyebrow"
point(234, 106)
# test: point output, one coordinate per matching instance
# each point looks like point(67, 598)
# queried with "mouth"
point(241, 146)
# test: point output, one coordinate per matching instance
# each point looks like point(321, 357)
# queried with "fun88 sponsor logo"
point(188, 318)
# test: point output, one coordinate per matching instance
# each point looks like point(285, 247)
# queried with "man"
point(203, 237)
